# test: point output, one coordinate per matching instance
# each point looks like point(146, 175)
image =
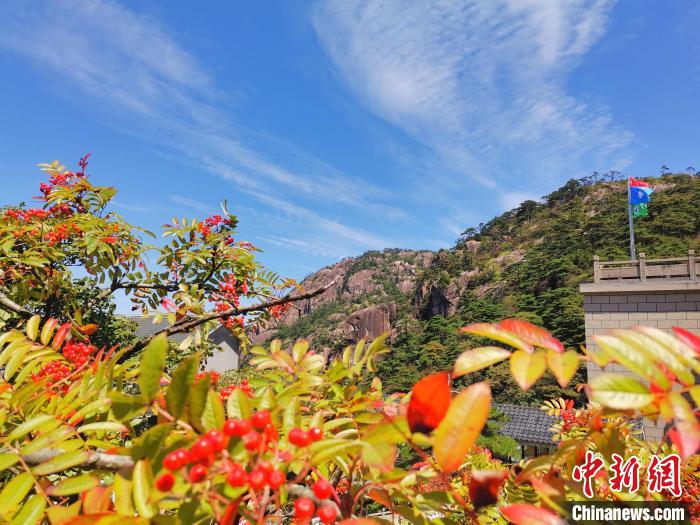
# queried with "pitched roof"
point(146, 328)
point(526, 425)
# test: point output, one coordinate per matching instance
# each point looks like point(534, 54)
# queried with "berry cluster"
point(213, 377)
point(208, 458)
point(278, 310)
point(574, 418)
point(210, 223)
point(55, 371)
point(243, 387)
point(78, 353)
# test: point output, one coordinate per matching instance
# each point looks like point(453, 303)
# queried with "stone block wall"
point(626, 308)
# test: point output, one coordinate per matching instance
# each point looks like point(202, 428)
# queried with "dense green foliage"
point(525, 263)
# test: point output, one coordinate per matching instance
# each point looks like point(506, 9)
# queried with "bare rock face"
point(357, 281)
point(369, 322)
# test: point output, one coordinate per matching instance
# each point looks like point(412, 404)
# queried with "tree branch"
point(187, 324)
point(8, 304)
point(98, 460)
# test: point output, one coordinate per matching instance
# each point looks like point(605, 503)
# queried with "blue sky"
point(337, 127)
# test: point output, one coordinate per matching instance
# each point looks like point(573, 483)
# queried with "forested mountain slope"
point(527, 263)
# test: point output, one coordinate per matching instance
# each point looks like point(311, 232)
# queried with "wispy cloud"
point(193, 204)
point(151, 87)
point(482, 84)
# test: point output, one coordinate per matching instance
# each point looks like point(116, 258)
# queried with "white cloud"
point(193, 204)
point(147, 85)
point(483, 84)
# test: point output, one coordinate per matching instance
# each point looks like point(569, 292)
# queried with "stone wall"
point(625, 306)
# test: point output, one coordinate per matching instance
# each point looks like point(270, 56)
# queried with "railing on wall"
point(644, 269)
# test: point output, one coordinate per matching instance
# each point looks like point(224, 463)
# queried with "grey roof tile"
point(526, 425)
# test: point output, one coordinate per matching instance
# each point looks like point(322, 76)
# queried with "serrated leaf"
point(563, 365)
point(619, 392)
point(478, 359)
point(125, 406)
point(179, 388)
point(379, 455)
point(103, 426)
point(151, 368)
point(62, 462)
point(632, 359)
point(527, 368)
point(532, 334)
point(73, 485)
point(238, 405)
point(461, 426)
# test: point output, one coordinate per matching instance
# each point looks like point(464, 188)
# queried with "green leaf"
point(151, 369)
point(16, 361)
point(73, 485)
point(15, 491)
point(123, 486)
point(197, 401)
point(214, 414)
point(179, 388)
point(563, 365)
point(493, 331)
point(126, 407)
point(32, 512)
point(461, 426)
point(62, 462)
point(45, 423)
point(379, 455)
point(477, 359)
point(527, 368)
point(150, 442)
point(142, 488)
point(619, 392)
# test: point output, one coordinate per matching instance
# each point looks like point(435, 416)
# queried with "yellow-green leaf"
point(477, 359)
point(32, 328)
point(214, 414)
point(73, 485)
point(632, 359)
point(142, 488)
point(62, 462)
point(32, 512)
point(461, 426)
point(527, 368)
point(44, 422)
point(15, 491)
point(563, 365)
point(619, 392)
point(8, 459)
point(238, 405)
point(103, 426)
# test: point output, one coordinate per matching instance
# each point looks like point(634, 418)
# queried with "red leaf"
point(430, 399)
point(532, 334)
point(524, 514)
point(485, 485)
point(689, 338)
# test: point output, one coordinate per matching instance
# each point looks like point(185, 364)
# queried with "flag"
point(640, 210)
point(640, 192)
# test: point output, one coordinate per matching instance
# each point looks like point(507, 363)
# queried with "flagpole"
point(633, 253)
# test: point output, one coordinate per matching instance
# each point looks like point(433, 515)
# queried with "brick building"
point(654, 292)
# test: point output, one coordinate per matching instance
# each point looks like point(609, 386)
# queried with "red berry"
point(202, 448)
point(327, 514)
point(266, 466)
point(183, 456)
point(172, 462)
point(252, 440)
point(322, 489)
point(304, 508)
point(237, 476)
point(271, 433)
point(260, 419)
point(315, 434)
point(198, 473)
point(298, 437)
point(244, 426)
point(217, 439)
point(257, 479)
point(165, 482)
point(231, 427)
point(276, 479)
